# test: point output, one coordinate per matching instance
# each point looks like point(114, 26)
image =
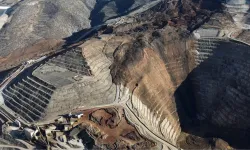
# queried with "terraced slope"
point(61, 84)
point(220, 81)
point(73, 61)
point(106, 85)
point(164, 86)
point(29, 98)
point(215, 94)
point(167, 81)
point(152, 71)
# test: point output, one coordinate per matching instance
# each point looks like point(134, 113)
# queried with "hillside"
point(173, 76)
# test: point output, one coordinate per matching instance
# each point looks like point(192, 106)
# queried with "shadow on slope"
point(213, 100)
point(123, 6)
point(96, 15)
point(120, 7)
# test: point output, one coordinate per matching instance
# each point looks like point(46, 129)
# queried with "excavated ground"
point(214, 98)
point(110, 129)
point(187, 92)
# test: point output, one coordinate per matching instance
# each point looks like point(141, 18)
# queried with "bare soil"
point(110, 129)
point(34, 51)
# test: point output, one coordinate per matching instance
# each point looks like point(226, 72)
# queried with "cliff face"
point(152, 66)
point(214, 95)
point(179, 81)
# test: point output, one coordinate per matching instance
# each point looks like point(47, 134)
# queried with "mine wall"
point(28, 98)
point(73, 61)
point(215, 94)
point(28, 95)
point(60, 84)
point(196, 86)
point(225, 74)
point(85, 80)
point(170, 84)
point(152, 71)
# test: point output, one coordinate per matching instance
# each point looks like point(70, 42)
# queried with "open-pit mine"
point(143, 75)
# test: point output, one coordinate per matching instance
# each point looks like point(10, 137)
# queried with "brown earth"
point(110, 129)
point(39, 49)
point(188, 141)
point(152, 66)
